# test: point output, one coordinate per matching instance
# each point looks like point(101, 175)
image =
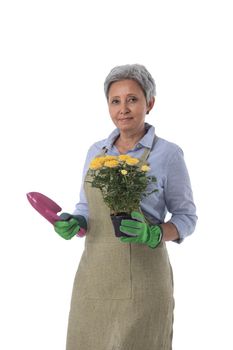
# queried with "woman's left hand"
point(140, 231)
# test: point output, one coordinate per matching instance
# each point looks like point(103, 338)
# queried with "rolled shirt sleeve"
point(81, 208)
point(179, 196)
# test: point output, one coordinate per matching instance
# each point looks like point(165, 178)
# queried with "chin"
point(125, 127)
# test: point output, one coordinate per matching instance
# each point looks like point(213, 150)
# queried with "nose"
point(124, 109)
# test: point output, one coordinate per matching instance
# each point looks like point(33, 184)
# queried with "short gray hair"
point(136, 72)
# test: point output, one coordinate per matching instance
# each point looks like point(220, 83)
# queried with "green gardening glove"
point(141, 231)
point(69, 225)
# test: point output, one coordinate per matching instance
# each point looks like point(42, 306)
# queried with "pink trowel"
point(47, 208)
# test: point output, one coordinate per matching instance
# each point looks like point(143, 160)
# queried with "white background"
point(54, 57)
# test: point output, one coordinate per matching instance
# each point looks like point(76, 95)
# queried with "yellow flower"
point(124, 172)
point(95, 164)
point(109, 158)
point(132, 161)
point(123, 157)
point(101, 159)
point(111, 163)
point(145, 168)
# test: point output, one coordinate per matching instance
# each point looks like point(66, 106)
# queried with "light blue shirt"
point(167, 164)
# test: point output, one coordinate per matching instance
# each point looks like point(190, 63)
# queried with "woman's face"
point(127, 105)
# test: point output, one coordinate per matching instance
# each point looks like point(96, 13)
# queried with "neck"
point(128, 139)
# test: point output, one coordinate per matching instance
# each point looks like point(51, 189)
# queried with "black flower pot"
point(116, 220)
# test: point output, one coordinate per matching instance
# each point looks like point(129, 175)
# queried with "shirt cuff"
point(179, 230)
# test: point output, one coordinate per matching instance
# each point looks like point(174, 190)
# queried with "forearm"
point(170, 232)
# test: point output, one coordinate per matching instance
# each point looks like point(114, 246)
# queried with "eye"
point(115, 101)
point(133, 99)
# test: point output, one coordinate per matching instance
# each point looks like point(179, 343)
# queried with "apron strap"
point(147, 150)
point(103, 152)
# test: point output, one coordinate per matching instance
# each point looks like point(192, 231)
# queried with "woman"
point(123, 291)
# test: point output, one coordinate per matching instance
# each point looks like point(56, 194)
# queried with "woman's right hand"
point(67, 227)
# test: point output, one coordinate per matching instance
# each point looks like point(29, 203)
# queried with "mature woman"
point(123, 291)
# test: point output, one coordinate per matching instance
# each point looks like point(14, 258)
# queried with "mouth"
point(125, 119)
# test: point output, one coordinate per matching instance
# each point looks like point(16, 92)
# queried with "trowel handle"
point(81, 232)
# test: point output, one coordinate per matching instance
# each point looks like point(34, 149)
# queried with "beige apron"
point(123, 293)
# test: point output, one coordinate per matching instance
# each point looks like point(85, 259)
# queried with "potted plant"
point(123, 182)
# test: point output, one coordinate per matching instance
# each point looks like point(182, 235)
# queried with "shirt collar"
point(146, 140)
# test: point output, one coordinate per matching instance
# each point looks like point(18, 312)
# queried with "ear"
point(150, 104)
